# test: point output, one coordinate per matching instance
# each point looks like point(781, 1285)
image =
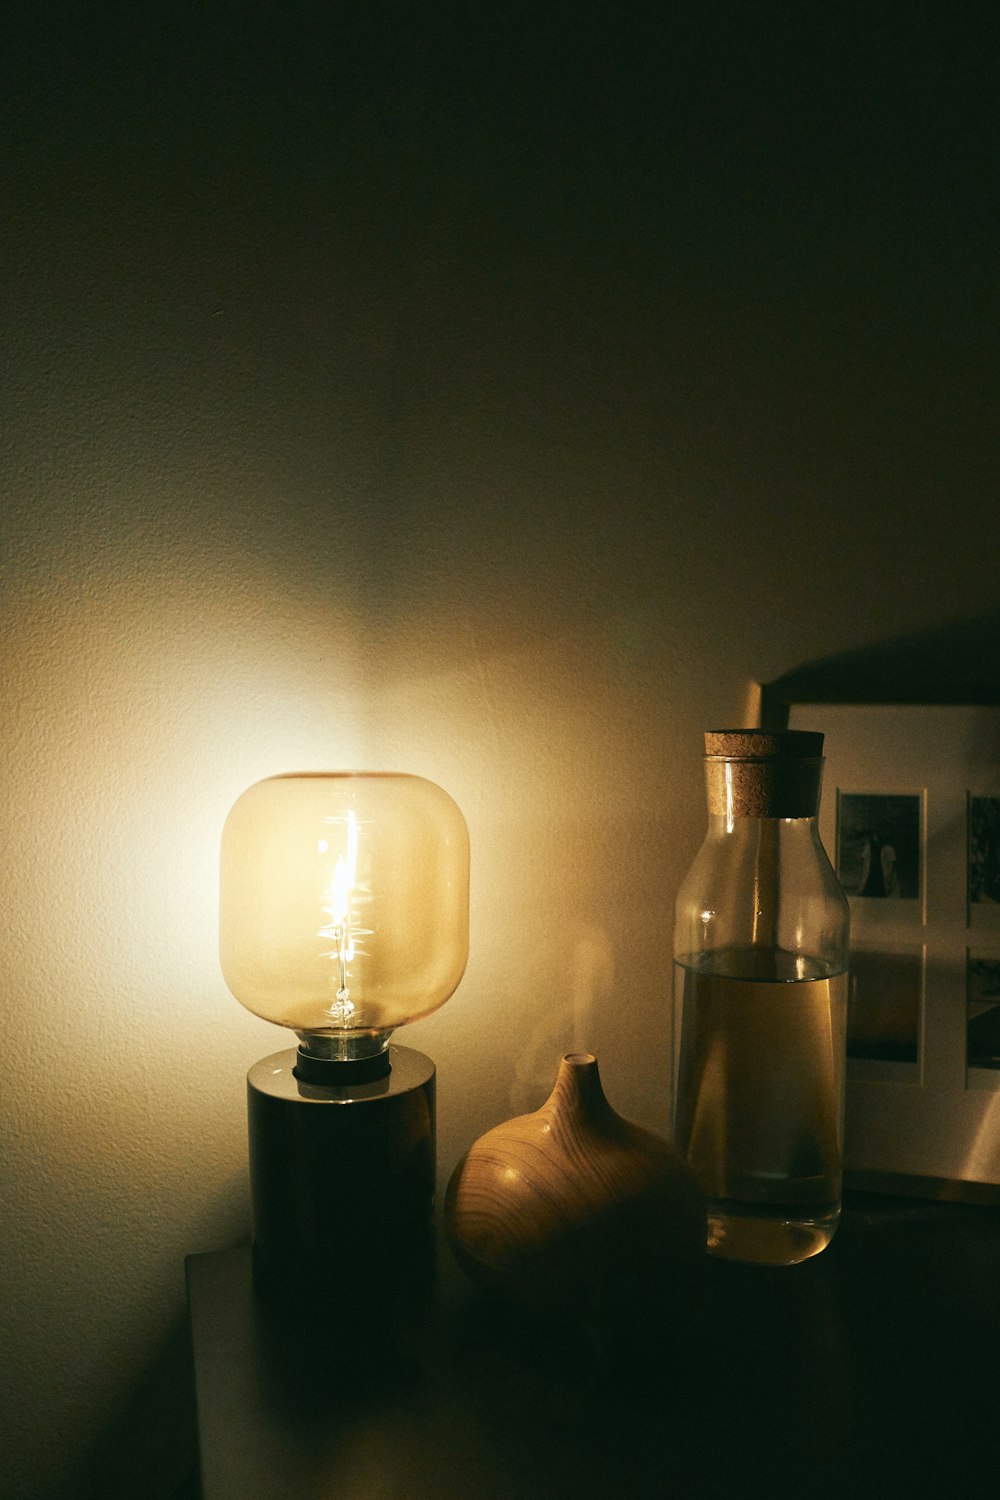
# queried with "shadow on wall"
point(148, 1440)
point(152, 1434)
point(957, 663)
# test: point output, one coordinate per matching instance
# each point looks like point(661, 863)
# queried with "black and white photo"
point(984, 850)
point(878, 845)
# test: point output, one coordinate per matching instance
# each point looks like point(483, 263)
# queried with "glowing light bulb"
point(344, 905)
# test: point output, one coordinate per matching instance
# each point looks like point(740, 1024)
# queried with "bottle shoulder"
point(765, 885)
point(787, 855)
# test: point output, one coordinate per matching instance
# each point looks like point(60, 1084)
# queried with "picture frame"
point(910, 818)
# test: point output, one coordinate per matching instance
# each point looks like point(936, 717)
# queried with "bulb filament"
point(342, 928)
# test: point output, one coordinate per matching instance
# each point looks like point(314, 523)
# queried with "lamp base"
point(342, 1185)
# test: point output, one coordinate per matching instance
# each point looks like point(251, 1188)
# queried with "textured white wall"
point(387, 466)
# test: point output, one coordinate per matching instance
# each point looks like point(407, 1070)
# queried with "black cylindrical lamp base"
point(342, 1185)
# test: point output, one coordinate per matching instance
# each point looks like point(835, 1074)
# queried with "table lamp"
point(344, 913)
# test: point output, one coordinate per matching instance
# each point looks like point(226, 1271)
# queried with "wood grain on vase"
point(573, 1200)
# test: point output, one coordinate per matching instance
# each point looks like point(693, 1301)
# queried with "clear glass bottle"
point(761, 958)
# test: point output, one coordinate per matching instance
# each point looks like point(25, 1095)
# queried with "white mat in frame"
point(931, 1111)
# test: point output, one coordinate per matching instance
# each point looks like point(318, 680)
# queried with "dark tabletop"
point(874, 1366)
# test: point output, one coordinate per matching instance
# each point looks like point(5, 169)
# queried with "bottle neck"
point(774, 857)
point(721, 826)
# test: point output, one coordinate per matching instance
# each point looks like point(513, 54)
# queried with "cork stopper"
point(763, 744)
point(754, 773)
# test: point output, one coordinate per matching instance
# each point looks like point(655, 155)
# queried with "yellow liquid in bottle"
point(759, 1101)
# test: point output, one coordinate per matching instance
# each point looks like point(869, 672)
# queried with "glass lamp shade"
point(344, 905)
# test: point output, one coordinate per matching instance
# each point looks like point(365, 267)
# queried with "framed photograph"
point(983, 1016)
point(984, 851)
point(885, 1004)
point(910, 817)
point(878, 845)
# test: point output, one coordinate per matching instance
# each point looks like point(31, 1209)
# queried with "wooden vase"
point(574, 1202)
